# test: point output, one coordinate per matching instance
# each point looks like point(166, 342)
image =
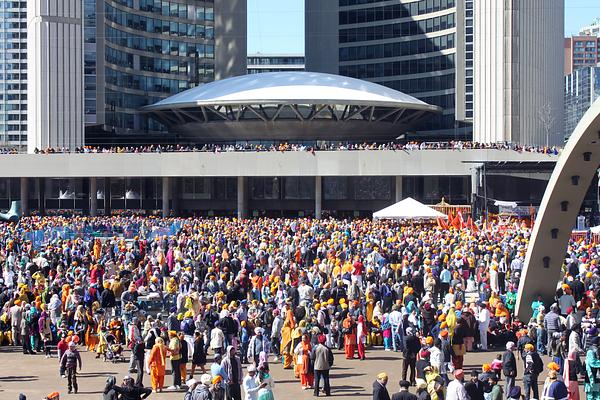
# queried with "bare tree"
point(548, 119)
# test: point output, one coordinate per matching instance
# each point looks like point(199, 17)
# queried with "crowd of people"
point(285, 147)
point(244, 294)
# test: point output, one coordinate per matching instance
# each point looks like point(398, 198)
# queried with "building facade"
point(582, 88)
point(139, 52)
point(409, 46)
point(517, 79)
point(13, 74)
point(55, 74)
point(581, 51)
point(259, 63)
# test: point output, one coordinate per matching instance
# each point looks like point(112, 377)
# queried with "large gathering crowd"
point(285, 147)
point(243, 293)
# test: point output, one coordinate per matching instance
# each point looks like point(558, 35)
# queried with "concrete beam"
point(234, 164)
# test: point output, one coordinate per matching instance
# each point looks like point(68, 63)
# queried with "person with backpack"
point(533, 367)
point(323, 361)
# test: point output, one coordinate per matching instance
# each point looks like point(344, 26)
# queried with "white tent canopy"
point(595, 229)
point(408, 209)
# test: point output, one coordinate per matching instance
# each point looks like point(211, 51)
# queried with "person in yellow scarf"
point(451, 322)
point(157, 362)
point(286, 339)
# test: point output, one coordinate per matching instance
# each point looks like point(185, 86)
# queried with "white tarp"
point(408, 209)
point(508, 204)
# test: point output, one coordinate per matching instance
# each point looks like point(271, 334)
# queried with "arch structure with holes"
point(570, 180)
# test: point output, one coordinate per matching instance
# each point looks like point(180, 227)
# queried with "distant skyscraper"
point(13, 74)
point(55, 74)
point(258, 63)
point(582, 88)
point(138, 52)
point(518, 91)
point(411, 47)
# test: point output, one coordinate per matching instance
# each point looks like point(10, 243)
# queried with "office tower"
point(582, 88)
point(258, 63)
point(518, 91)
point(138, 52)
point(13, 74)
point(55, 74)
point(581, 51)
point(408, 46)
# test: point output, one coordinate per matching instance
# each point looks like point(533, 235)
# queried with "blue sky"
point(277, 26)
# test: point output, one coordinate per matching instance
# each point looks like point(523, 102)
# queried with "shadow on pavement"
point(26, 378)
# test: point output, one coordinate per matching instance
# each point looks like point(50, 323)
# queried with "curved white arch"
point(560, 205)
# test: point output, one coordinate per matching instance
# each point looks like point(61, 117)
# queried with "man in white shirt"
point(456, 389)
point(250, 384)
point(484, 323)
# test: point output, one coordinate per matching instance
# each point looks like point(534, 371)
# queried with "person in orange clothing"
point(349, 331)
point(305, 367)
point(286, 339)
point(158, 362)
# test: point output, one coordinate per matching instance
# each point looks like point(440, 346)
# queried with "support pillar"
point(93, 196)
point(475, 175)
point(318, 197)
point(107, 196)
point(42, 195)
point(398, 188)
point(25, 196)
point(166, 195)
point(241, 197)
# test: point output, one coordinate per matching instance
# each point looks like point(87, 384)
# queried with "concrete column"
point(93, 196)
point(318, 197)
point(107, 196)
point(166, 194)
point(398, 188)
point(474, 181)
point(42, 193)
point(241, 197)
point(25, 196)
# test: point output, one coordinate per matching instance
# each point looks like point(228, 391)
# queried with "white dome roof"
point(292, 88)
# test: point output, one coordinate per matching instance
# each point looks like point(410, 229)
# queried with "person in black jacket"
point(108, 300)
point(509, 366)
point(474, 387)
point(411, 349)
point(380, 392)
point(404, 394)
point(129, 391)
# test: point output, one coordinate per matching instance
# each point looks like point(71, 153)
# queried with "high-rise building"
point(592, 29)
point(518, 88)
point(55, 74)
point(582, 88)
point(413, 47)
point(138, 52)
point(258, 63)
point(13, 74)
point(581, 51)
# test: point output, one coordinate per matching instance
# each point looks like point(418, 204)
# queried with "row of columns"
point(242, 196)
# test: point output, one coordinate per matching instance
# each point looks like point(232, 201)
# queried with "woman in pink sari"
point(571, 370)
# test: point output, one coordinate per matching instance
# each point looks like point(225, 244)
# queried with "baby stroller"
point(114, 350)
